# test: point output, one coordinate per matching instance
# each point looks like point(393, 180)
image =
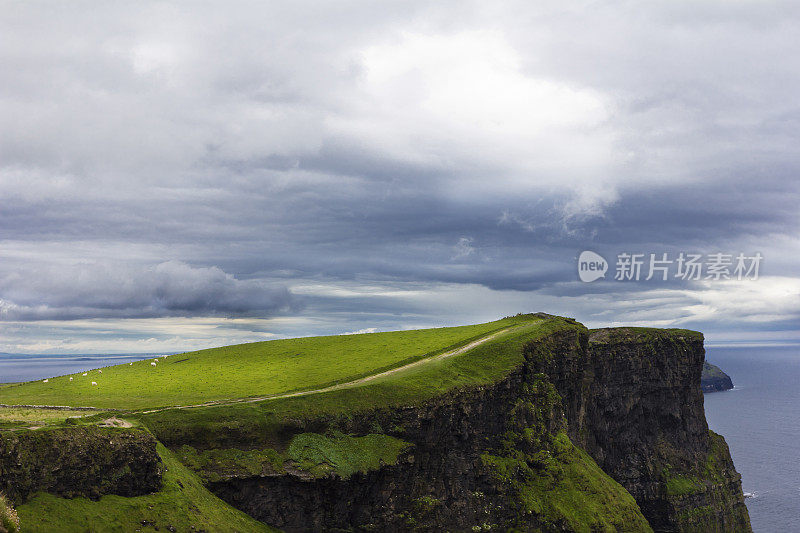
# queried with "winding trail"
point(338, 386)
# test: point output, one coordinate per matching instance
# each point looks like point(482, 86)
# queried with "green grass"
point(261, 423)
point(682, 485)
point(553, 483)
point(9, 521)
point(343, 455)
point(183, 503)
point(639, 334)
point(569, 492)
point(247, 370)
point(315, 454)
point(712, 371)
point(23, 416)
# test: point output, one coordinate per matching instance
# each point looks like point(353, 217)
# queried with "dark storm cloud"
point(159, 161)
point(119, 291)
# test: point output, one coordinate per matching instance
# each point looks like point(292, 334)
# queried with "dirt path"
point(115, 422)
point(347, 385)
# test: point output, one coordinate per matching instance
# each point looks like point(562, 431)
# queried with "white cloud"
point(463, 101)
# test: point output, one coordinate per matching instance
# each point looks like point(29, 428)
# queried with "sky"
point(176, 176)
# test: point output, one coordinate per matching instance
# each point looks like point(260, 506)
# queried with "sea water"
point(17, 367)
point(760, 420)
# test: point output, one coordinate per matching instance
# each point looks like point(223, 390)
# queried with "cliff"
point(486, 458)
point(592, 431)
point(545, 426)
point(713, 379)
point(633, 402)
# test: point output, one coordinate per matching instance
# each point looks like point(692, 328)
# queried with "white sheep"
point(100, 371)
point(153, 364)
point(131, 364)
point(70, 378)
point(94, 383)
point(85, 373)
point(45, 381)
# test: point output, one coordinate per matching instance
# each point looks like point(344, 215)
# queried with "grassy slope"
point(22, 416)
point(713, 372)
point(245, 370)
point(227, 425)
point(183, 503)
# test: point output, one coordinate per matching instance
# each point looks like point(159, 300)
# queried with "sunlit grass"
point(245, 370)
point(15, 416)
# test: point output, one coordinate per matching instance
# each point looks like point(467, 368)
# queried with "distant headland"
point(713, 379)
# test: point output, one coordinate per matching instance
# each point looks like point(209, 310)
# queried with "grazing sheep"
point(131, 364)
point(152, 364)
point(45, 381)
point(85, 373)
point(100, 371)
point(70, 378)
point(94, 383)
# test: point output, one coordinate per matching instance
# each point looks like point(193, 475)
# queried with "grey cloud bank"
point(173, 178)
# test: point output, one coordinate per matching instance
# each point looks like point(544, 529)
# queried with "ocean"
point(15, 367)
point(760, 420)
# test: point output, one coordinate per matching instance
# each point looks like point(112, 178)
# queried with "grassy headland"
point(246, 370)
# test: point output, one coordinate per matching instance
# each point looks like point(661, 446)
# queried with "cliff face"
point(490, 458)
point(511, 455)
point(634, 404)
point(80, 461)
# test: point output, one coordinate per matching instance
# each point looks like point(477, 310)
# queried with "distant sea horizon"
point(16, 367)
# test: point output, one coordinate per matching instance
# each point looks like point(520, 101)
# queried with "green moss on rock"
point(308, 454)
point(182, 504)
point(343, 455)
point(552, 482)
point(79, 461)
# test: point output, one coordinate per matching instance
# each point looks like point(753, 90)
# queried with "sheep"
point(70, 378)
point(153, 364)
point(131, 364)
point(94, 383)
point(85, 373)
point(100, 371)
point(45, 381)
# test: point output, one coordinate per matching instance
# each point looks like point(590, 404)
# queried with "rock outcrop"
point(85, 461)
point(713, 379)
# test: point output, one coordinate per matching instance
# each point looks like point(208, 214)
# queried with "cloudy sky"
point(177, 176)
